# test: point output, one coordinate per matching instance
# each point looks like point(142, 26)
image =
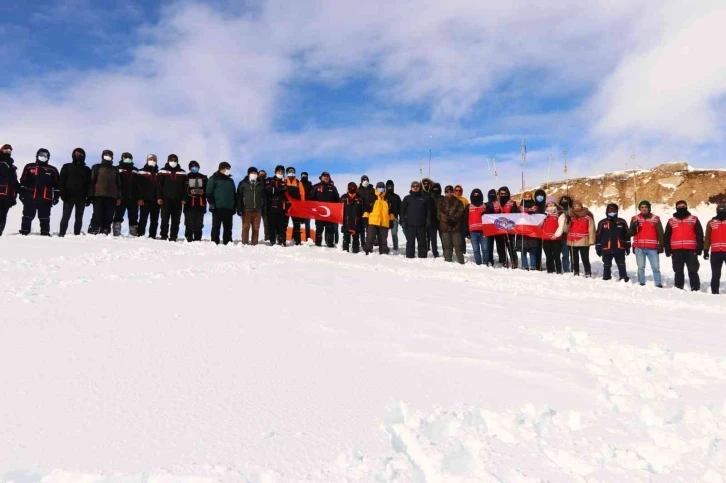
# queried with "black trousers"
point(432, 241)
point(30, 209)
point(328, 228)
point(5, 206)
point(538, 256)
point(584, 253)
point(130, 207)
point(149, 214)
point(347, 238)
point(277, 222)
point(607, 264)
point(416, 235)
point(193, 224)
point(297, 223)
point(380, 233)
point(553, 254)
point(70, 204)
point(103, 211)
point(505, 249)
point(171, 211)
point(689, 260)
point(222, 217)
point(717, 261)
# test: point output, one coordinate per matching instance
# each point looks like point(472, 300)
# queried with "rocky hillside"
point(664, 184)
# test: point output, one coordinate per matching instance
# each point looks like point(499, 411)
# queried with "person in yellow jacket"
point(379, 220)
point(459, 194)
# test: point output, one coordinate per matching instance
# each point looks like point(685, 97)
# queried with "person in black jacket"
point(150, 195)
point(194, 202)
point(277, 206)
point(325, 191)
point(308, 189)
point(172, 180)
point(612, 240)
point(8, 184)
point(434, 195)
point(394, 202)
point(130, 196)
point(104, 192)
point(222, 199)
point(39, 192)
point(352, 218)
point(368, 195)
point(416, 220)
point(75, 179)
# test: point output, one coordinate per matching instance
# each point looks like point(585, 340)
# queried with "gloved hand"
point(699, 253)
point(56, 199)
point(706, 256)
point(14, 202)
point(352, 232)
point(89, 201)
point(403, 225)
point(428, 224)
point(668, 253)
point(211, 207)
point(627, 252)
point(598, 250)
point(240, 212)
point(660, 250)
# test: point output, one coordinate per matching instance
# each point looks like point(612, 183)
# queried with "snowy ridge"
point(126, 360)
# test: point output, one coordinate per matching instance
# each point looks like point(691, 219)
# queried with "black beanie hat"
point(127, 155)
point(173, 157)
point(304, 174)
point(279, 167)
point(352, 185)
point(612, 206)
point(390, 183)
point(43, 151)
point(224, 165)
point(380, 185)
point(364, 178)
point(251, 170)
point(107, 151)
point(681, 202)
point(644, 203)
point(193, 163)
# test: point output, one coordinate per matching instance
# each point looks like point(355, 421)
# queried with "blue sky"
point(357, 88)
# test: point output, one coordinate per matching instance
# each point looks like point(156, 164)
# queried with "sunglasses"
point(458, 190)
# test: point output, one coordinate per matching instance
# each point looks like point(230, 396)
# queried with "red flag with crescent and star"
point(316, 210)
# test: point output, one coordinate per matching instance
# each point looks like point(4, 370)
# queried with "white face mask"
point(151, 162)
point(173, 164)
point(551, 209)
point(253, 177)
point(290, 175)
point(108, 158)
point(364, 184)
point(42, 159)
point(278, 175)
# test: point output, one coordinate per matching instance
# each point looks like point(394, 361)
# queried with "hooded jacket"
point(612, 236)
point(75, 178)
point(379, 213)
point(415, 209)
point(434, 196)
point(8, 178)
point(394, 200)
point(541, 205)
point(368, 195)
point(352, 213)
point(476, 209)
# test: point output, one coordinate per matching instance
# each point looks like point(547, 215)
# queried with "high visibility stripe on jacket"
point(716, 239)
point(647, 236)
point(475, 213)
point(579, 228)
point(551, 225)
point(683, 233)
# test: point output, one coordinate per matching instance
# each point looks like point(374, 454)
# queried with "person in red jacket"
point(684, 242)
point(716, 242)
point(554, 227)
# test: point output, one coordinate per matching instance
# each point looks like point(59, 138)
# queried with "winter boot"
point(117, 228)
point(134, 230)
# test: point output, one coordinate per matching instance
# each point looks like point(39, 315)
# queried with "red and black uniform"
point(130, 197)
point(328, 193)
point(716, 242)
point(352, 220)
point(39, 192)
point(195, 206)
point(505, 243)
point(298, 191)
point(8, 185)
point(277, 206)
point(646, 232)
point(172, 184)
point(612, 241)
point(684, 243)
point(552, 245)
point(150, 193)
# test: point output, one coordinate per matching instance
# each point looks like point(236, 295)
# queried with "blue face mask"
point(194, 169)
point(381, 190)
point(612, 215)
point(540, 199)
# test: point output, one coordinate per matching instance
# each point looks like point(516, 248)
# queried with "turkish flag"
point(316, 210)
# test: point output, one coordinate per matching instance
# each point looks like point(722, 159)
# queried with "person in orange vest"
point(716, 242)
point(684, 242)
point(554, 227)
point(647, 232)
point(352, 218)
point(296, 189)
point(581, 237)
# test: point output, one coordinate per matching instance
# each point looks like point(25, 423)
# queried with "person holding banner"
point(479, 242)
point(326, 192)
point(554, 227)
point(580, 237)
point(451, 217)
point(352, 225)
point(529, 246)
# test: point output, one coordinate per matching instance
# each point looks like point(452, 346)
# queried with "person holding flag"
point(352, 218)
point(325, 192)
point(554, 227)
point(296, 190)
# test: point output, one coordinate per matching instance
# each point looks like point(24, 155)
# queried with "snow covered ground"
point(145, 361)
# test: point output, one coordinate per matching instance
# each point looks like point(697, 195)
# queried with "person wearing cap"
point(473, 213)
point(130, 196)
point(222, 200)
point(194, 202)
point(379, 220)
point(612, 242)
point(395, 203)
point(250, 205)
point(648, 240)
point(715, 241)
point(451, 217)
point(415, 220)
point(368, 194)
point(277, 206)
point(554, 227)
point(352, 218)
point(565, 204)
point(75, 178)
point(39, 192)
point(9, 184)
point(172, 181)
point(105, 192)
point(297, 191)
point(308, 187)
point(326, 192)
point(149, 193)
point(684, 242)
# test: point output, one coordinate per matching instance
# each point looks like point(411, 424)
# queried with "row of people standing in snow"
point(426, 215)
